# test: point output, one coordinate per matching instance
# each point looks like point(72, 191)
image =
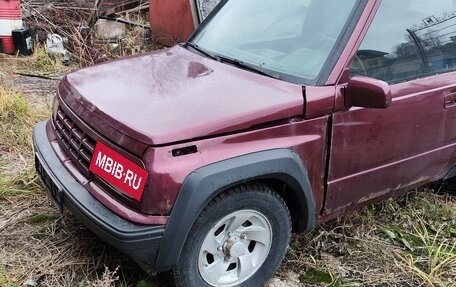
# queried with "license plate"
point(49, 184)
point(118, 171)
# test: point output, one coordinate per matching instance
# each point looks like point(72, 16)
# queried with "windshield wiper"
point(202, 51)
point(249, 67)
point(235, 62)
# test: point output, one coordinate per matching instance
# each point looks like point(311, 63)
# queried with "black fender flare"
point(206, 183)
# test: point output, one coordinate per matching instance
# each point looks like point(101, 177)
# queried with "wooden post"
point(95, 13)
point(195, 13)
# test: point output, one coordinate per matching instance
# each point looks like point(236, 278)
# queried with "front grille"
point(77, 144)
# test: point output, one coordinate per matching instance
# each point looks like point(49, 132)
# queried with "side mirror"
point(368, 93)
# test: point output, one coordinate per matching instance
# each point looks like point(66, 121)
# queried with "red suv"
point(273, 117)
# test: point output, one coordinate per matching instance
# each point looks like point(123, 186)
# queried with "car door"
point(411, 45)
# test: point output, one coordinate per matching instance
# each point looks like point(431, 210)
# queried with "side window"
point(408, 39)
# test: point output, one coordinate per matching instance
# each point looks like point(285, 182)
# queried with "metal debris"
point(55, 47)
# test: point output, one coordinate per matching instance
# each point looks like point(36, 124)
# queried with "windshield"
point(293, 38)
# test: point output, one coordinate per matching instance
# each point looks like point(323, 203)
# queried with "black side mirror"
point(368, 93)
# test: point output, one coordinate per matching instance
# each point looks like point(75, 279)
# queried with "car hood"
point(174, 95)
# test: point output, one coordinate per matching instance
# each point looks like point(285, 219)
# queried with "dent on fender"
point(306, 138)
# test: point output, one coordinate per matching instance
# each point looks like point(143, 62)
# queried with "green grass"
point(15, 117)
point(433, 257)
point(144, 283)
point(315, 276)
point(422, 232)
point(41, 218)
point(408, 241)
point(5, 281)
point(45, 64)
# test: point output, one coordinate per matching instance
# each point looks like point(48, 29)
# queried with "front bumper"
point(141, 242)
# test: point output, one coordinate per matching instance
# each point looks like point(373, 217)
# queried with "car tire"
point(239, 239)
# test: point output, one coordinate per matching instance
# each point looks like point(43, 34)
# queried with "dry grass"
point(71, 23)
point(17, 117)
point(405, 242)
point(39, 243)
point(21, 107)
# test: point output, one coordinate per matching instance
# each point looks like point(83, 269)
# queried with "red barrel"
point(172, 21)
point(10, 19)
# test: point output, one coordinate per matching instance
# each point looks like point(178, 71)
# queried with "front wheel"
point(239, 239)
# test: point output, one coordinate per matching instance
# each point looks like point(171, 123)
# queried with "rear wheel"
point(238, 240)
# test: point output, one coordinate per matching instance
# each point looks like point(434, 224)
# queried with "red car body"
point(174, 111)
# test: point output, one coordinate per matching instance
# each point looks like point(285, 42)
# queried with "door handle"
point(450, 100)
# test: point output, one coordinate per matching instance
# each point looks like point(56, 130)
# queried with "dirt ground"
point(410, 241)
